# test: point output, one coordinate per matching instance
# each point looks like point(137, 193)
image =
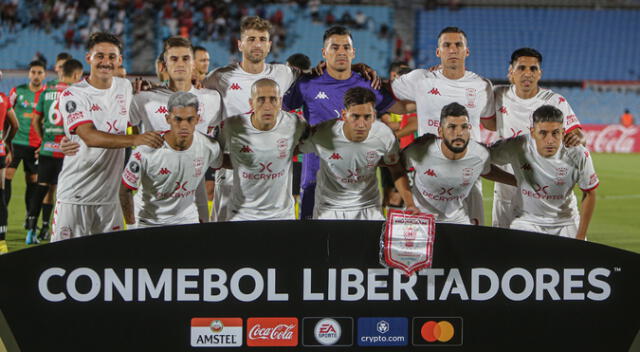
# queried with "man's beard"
point(456, 150)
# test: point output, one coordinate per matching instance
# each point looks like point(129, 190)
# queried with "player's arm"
point(575, 137)
point(496, 174)
point(36, 123)
point(12, 124)
point(94, 138)
point(401, 182)
point(588, 205)
point(489, 123)
point(410, 128)
point(126, 203)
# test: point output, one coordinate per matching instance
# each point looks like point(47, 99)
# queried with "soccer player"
point(260, 148)
point(23, 100)
point(201, 63)
point(350, 150)
point(8, 129)
point(547, 172)
point(321, 98)
point(234, 83)
point(61, 58)
point(447, 168)
point(515, 103)
point(48, 126)
point(149, 108)
point(95, 114)
point(452, 83)
point(171, 174)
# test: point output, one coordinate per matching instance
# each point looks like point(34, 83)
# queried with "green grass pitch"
point(616, 221)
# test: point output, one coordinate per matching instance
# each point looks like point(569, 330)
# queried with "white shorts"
point(222, 195)
point(77, 220)
point(565, 230)
point(370, 213)
point(473, 204)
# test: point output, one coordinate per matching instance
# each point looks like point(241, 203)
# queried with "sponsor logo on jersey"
point(272, 332)
point(327, 331)
point(181, 186)
point(164, 171)
point(162, 110)
point(444, 190)
point(321, 95)
point(74, 117)
point(111, 126)
point(383, 331)
point(70, 106)
point(515, 133)
point(235, 86)
point(95, 107)
point(216, 332)
point(134, 166)
point(434, 91)
point(503, 110)
point(246, 149)
point(538, 188)
point(437, 331)
point(265, 167)
point(335, 156)
point(430, 172)
point(541, 192)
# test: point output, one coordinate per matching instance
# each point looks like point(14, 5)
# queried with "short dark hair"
point(103, 37)
point(530, 52)
point(70, 67)
point(256, 23)
point(397, 65)
point(547, 113)
point(199, 48)
point(453, 30)
point(336, 30)
point(176, 41)
point(404, 71)
point(358, 96)
point(453, 109)
point(300, 61)
point(36, 63)
point(63, 56)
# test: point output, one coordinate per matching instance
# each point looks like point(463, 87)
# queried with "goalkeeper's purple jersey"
point(321, 99)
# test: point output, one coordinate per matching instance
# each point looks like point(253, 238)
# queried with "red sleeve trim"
point(592, 188)
point(488, 117)
point(573, 128)
point(73, 127)
point(37, 112)
point(127, 185)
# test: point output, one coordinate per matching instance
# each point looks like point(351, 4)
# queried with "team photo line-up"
point(220, 146)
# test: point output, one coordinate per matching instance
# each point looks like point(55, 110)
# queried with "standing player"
point(149, 108)
point(170, 175)
point(261, 147)
point(547, 172)
point(515, 104)
point(23, 100)
point(447, 168)
point(95, 114)
point(350, 150)
point(61, 58)
point(201, 63)
point(321, 99)
point(234, 84)
point(453, 83)
point(8, 129)
point(48, 125)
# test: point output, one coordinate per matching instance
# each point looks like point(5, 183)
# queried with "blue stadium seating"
point(577, 44)
point(600, 107)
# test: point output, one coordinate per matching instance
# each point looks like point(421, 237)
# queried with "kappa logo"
point(235, 86)
point(434, 91)
point(321, 95)
point(430, 172)
point(537, 188)
point(181, 186)
point(164, 171)
point(66, 93)
point(266, 166)
point(335, 156)
point(446, 190)
point(137, 155)
point(95, 107)
point(526, 167)
point(515, 133)
point(561, 100)
point(162, 110)
point(246, 149)
point(503, 110)
point(586, 153)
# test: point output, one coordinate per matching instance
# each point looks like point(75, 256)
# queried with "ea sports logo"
point(216, 326)
point(327, 331)
point(441, 331)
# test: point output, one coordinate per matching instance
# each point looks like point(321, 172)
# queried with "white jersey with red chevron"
point(168, 180)
point(262, 166)
point(347, 177)
point(514, 114)
point(440, 185)
point(91, 177)
point(149, 108)
point(432, 91)
point(545, 184)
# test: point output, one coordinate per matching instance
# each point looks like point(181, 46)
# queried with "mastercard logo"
point(442, 331)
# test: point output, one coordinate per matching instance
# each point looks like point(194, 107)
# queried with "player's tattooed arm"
point(574, 138)
point(94, 138)
point(401, 182)
point(126, 203)
point(498, 175)
point(588, 205)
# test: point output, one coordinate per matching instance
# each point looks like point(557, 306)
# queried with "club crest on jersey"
point(122, 104)
point(408, 240)
point(467, 175)
point(283, 145)
point(134, 166)
point(471, 97)
point(372, 159)
point(70, 106)
point(198, 163)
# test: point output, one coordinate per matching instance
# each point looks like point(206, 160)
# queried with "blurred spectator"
point(329, 19)
point(314, 10)
point(360, 20)
point(627, 119)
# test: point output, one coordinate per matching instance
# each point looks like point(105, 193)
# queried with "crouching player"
point(169, 175)
point(547, 171)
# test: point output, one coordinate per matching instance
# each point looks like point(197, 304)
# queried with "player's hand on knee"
point(68, 147)
point(151, 138)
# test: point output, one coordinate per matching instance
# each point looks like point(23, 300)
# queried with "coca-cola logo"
point(272, 332)
point(612, 138)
